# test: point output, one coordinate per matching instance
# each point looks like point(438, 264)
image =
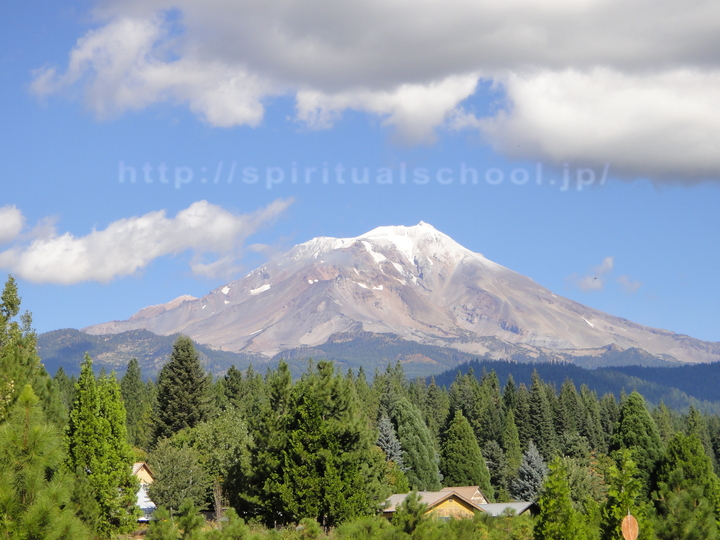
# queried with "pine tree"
point(34, 488)
point(663, 420)
point(184, 396)
point(531, 476)
point(558, 520)
point(511, 444)
point(437, 409)
point(637, 431)
point(687, 454)
point(462, 461)
point(330, 470)
point(510, 394)
point(696, 425)
point(498, 468)
point(522, 416)
point(683, 512)
point(420, 457)
point(19, 362)
point(98, 448)
point(137, 405)
point(541, 419)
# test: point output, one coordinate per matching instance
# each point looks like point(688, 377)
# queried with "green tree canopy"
point(98, 448)
point(184, 397)
point(637, 431)
point(462, 462)
point(35, 489)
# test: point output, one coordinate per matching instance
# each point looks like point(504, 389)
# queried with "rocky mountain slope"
point(412, 282)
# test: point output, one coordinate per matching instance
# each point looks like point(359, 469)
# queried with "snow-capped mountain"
point(413, 282)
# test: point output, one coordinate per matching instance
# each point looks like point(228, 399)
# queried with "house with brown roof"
point(457, 502)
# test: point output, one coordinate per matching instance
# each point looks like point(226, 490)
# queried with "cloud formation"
point(595, 281)
point(129, 245)
point(628, 285)
point(11, 223)
point(631, 83)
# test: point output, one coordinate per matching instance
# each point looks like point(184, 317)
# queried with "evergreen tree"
point(598, 419)
point(624, 496)
point(491, 420)
point(420, 457)
point(522, 416)
point(462, 461)
point(259, 493)
point(34, 489)
point(558, 520)
point(569, 410)
point(329, 470)
point(664, 422)
point(437, 409)
point(498, 468)
point(184, 396)
point(541, 419)
point(66, 388)
point(510, 394)
point(637, 431)
point(511, 444)
point(410, 513)
point(686, 453)
point(389, 443)
point(531, 476)
point(697, 426)
point(19, 362)
point(137, 405)
point(683, 512)
point(98, 448)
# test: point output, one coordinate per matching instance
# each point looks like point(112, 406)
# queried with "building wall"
point(452, 507)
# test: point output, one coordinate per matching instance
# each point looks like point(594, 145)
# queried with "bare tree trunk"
point(217, 493)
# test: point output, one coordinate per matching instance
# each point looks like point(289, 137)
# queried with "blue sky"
point(92, 91)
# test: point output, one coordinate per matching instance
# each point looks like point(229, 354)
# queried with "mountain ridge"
point(413, 282)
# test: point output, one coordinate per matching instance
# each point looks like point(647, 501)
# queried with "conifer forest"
point(258, 454)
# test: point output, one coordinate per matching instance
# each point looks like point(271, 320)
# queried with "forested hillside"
point(270, 456)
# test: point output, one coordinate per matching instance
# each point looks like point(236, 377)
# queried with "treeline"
point(316, 457)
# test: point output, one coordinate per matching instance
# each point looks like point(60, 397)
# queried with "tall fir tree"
point(541, 419)
point(35, 489)
point(522, 416)
point(511, 444)
point(98, 449)
point(19, 362)
point(138, 407)
point(696, 425)
point(388, 442)
point(437, 409)
point(637, 431)
point(330, 470)
point(184, 397)
point(462, 462)
point(664, 422)
point(498, 468)
point(419, 456)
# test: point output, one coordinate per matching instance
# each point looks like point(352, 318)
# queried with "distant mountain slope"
point(699, 380)
point(601, 381)
point(412, 282)
point(67, 348)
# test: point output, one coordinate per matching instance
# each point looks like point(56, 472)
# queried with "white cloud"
point(593, 80)
point(11, 223)
point(595, 281)
point(129, 245)
point(628, 285)
point(659, 125)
